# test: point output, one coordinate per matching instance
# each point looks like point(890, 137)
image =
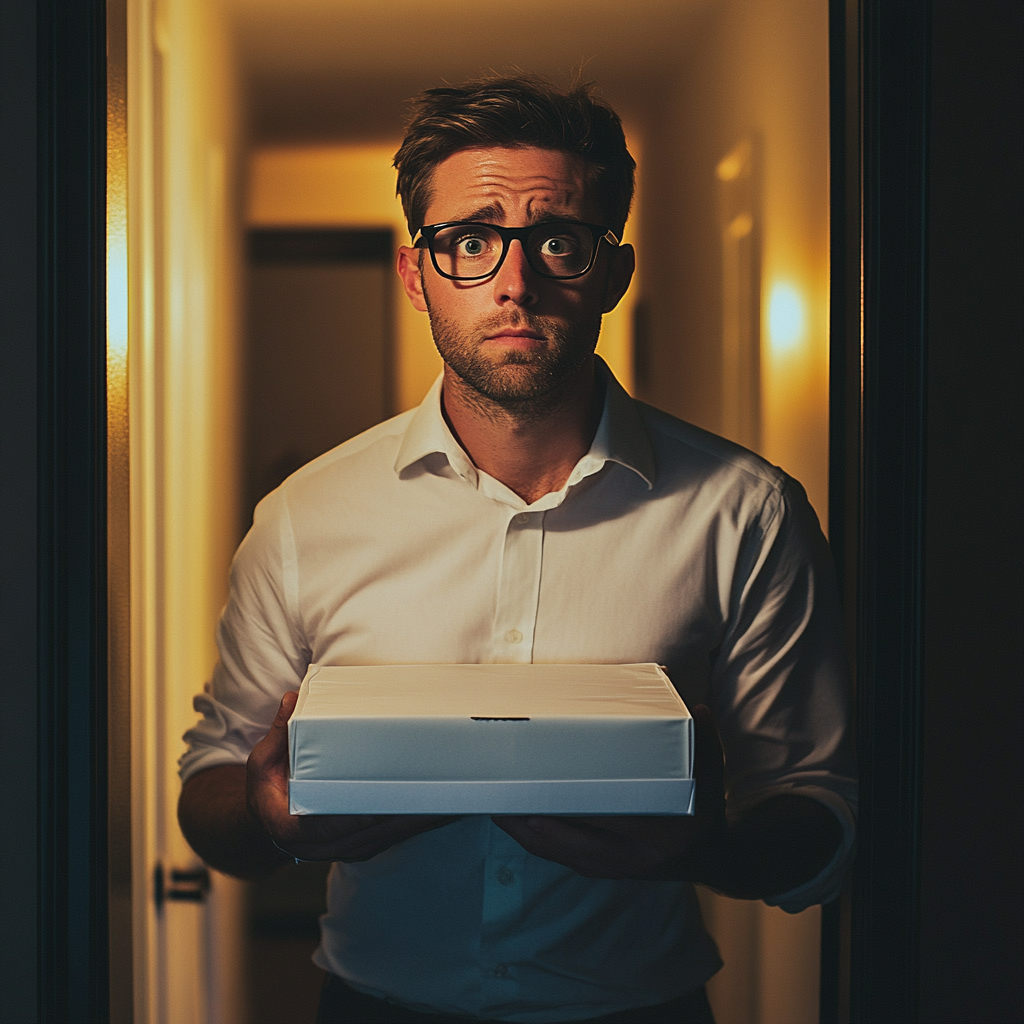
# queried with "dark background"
point(972, 811)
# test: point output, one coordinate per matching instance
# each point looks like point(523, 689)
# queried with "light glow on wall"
point(787, 317)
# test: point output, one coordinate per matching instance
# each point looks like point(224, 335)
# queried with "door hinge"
point(183, 885)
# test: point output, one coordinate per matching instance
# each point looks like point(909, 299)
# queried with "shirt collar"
point(428, 433)
point(620, 437)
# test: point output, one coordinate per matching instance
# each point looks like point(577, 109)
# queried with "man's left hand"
point(641, 846)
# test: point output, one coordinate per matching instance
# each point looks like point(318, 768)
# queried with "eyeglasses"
point(467, 251)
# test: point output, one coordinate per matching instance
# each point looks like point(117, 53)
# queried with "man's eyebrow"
point(495, 212)
point(485, 214)
point(547, 216)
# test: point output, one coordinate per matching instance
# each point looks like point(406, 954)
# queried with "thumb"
point(284, 712)
point(708, 766)
point(273, 748)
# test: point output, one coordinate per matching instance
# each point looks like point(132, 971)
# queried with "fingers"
point(556, 840)
point(317, 837)
point(624, 847)
point(388, 832)
point(357, 838)
point(708, 768)
point(642, 827)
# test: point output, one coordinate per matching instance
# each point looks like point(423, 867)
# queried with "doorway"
point(245, 94)
point(317, 346)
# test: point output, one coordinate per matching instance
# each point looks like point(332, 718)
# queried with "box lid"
point(489, 723)
point(487, 691)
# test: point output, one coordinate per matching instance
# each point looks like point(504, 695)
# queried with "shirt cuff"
point(192, 762)
point(826, 884)
point(221, 736)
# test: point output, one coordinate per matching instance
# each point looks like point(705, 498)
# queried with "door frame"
point(878, 55)
point(73, 962)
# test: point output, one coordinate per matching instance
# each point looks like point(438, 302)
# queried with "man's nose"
point(515, 282)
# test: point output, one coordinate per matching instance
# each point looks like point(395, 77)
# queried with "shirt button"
point(513, 636)
point(521, 519)
point(505, 876)
point(501, 970)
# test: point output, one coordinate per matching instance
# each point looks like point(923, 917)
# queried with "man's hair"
point(515, 111)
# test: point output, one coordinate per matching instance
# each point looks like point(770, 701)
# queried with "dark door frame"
point(879, 115)
point(72, 898)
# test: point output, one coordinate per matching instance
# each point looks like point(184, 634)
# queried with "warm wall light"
point(737, 162)
point(786, 317)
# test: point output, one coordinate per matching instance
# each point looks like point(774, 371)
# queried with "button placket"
point(502, 907)
point(519, 588)
point(503, 875)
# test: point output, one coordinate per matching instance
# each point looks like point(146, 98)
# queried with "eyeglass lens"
point(557, 249)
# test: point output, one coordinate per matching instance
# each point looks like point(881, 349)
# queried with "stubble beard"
point(522, 384)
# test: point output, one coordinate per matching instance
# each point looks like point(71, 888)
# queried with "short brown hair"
point(514, 111)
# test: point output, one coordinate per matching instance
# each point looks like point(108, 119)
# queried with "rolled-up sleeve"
point(262, 650)
point(780, 689)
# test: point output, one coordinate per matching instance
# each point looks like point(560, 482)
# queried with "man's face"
point(516, 337)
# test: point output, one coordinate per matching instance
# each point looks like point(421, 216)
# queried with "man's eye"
point(559, 245)
point(471, 245)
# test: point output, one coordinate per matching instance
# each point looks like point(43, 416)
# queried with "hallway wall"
point(756, 70)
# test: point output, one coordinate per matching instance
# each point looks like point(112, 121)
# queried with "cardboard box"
point(490, 739)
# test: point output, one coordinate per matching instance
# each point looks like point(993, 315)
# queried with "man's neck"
point(531, 451)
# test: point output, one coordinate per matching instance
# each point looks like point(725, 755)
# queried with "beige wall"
point(753, 68)
point(758, 69)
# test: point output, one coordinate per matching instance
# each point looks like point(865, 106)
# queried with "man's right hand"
point(236, 817)
point(347, 837)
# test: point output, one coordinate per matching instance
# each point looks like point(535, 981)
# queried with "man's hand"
point(776, 846)
point(347, 837)
point(623, 846)
point(236, 817)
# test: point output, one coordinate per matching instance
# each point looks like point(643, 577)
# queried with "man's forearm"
point(214, 817)
point(776, 846)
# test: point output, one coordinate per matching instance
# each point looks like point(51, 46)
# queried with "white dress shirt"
point(666, 544)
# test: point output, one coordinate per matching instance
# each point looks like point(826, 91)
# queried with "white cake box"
point(490, 739)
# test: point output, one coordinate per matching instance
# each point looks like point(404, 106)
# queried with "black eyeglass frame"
point(426, 235)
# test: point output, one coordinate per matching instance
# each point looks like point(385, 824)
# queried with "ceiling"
point(342, 69)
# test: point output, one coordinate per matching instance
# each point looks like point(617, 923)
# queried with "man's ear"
point(620, 273)
point(412, 280)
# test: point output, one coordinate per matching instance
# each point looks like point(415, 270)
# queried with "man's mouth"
point(508, 333)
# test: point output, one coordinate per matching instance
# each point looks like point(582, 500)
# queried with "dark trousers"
point(342, 1004)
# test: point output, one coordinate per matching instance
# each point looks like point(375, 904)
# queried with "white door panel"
point(184, 482)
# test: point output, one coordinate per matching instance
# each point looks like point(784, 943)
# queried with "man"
point(529, 510)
